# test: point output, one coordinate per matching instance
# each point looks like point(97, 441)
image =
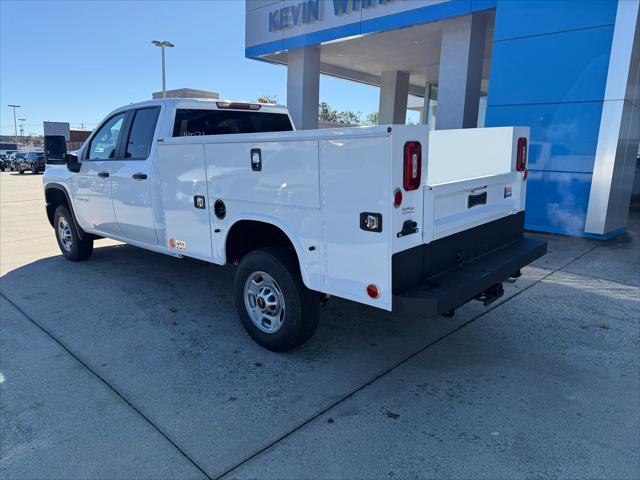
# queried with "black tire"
point(21, 172)
point(301, 305)
point(77, 249)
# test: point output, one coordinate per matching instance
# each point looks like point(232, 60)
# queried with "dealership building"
point(569, 69)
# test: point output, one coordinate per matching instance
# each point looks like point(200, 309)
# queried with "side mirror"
point(55, 149)
point(73, 164)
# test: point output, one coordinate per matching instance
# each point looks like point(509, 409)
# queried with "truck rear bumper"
point(452, 288)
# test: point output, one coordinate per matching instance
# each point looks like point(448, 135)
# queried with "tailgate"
point(453, 207)
point(473, 222)
point(471, 179)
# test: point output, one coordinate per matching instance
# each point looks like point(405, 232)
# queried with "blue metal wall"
point(549, 72)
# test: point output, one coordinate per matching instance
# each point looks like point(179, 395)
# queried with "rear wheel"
point(71, 245)
point(275, 307)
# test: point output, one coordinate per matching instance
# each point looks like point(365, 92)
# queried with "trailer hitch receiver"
point(491, 294)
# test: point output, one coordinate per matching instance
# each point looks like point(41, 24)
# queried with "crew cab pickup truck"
point(391, 216)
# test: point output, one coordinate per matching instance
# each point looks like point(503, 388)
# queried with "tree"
point(345, 117)
point(326, 113)
point(268, 99)
point(349, 118)
point(372, 118)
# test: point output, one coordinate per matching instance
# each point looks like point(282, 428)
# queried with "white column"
point(303, 86)
point(424, 117)
point(461, 56)
point(394, 90)
point(619, 135)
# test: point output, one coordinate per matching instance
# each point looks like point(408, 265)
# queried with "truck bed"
point(315, 186)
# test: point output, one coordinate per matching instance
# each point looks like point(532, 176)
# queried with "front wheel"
point(275, 307)
point(71, 245)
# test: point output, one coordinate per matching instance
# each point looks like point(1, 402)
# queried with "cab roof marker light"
point(239, 106)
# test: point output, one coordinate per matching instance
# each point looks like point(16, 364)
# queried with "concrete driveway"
point(134, 365)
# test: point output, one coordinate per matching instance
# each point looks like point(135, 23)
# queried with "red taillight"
point(412, 165)
point(373, 291)
point(239, 106)
point(397, 198)
point(521, 161)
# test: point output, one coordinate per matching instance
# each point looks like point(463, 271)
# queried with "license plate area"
point(477, 199)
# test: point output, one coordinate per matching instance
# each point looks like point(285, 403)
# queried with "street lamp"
point(22, 120)
point(162, 45)
point(15, 123)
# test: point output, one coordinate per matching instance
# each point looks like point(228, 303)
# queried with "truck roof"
point(198, 103)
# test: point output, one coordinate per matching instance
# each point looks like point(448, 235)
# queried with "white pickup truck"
point(395, 217)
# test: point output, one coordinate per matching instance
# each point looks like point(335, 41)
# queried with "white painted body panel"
point(352, 257)
point(470, 162)
point(131, 200)
point(313, 186)
point(182, 173)
point(469, 153)
point(289, 173)
point(92, 197)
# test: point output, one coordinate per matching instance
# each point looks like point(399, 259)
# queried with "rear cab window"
point(196, 122)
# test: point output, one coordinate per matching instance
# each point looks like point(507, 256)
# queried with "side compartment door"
point(131, 177)
point(182, 180)
point(91, 186)
point(355, 184)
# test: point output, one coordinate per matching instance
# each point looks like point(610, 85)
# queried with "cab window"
point(141, 135)
point(105, 142)
point(192, 122)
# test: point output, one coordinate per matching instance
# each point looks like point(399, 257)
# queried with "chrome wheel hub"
point(264, 302)
point(64, 234)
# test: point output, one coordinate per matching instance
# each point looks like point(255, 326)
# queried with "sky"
point(75, 61)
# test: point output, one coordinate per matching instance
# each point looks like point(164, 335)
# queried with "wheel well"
point(54, 198)
point(248, 235)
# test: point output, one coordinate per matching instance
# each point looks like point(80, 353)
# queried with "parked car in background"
point(9, 161)
point(5, 154)
point(32, 161)
point(16, 159)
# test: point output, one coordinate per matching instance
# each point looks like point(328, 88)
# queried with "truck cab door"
point(91, 186)
point(131, 177)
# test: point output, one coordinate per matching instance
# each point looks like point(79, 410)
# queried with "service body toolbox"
point(395, 217)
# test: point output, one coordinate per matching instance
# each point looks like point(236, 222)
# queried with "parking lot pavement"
point(54, 408)
point(541, 384)
point(505, 398)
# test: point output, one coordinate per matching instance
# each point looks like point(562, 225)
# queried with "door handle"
point(103, 174)
point(139, 176)
point(256, 159)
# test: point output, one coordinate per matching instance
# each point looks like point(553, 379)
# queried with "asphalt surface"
point(134, 365)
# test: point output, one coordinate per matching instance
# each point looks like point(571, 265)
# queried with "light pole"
point(162, 45)
point(22, 120)
point(15, 123)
